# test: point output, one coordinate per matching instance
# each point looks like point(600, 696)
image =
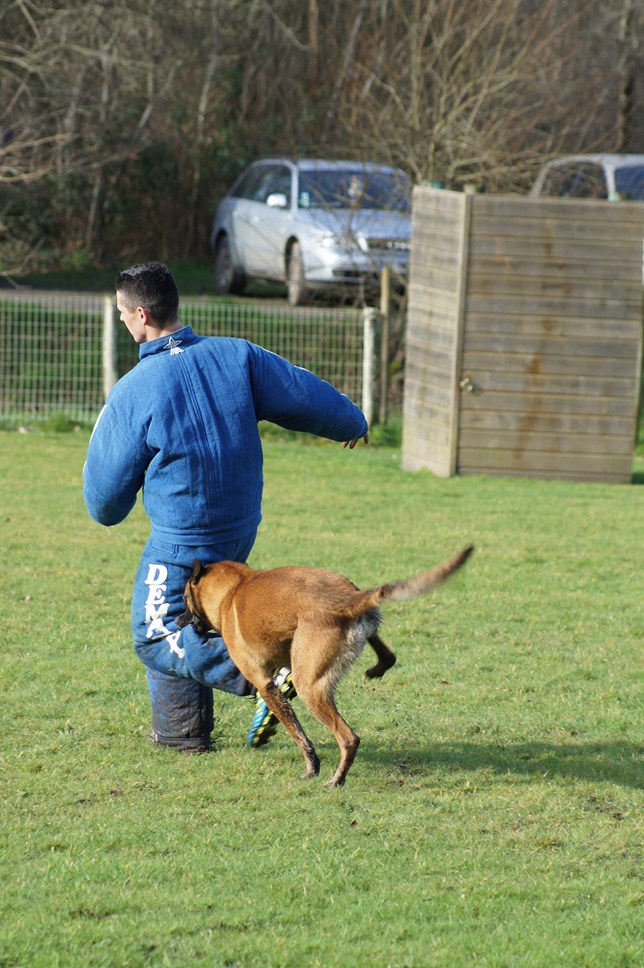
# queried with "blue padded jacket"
point(182, 425)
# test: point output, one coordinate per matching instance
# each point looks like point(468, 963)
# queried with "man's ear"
point(144, 316)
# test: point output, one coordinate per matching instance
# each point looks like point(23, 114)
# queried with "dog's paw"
point(378, 670)
point(334, 782)
point(312, 767)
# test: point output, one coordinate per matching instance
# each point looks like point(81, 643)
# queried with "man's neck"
point(153, 333)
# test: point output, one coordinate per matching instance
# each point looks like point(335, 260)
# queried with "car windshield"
point(629, 182)
point(354, 188)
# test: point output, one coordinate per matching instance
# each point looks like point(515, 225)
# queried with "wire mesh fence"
point(52, 354)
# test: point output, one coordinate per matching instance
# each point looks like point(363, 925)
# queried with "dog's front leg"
point(284, 712)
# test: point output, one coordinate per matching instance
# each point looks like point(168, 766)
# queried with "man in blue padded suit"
point(182, 427)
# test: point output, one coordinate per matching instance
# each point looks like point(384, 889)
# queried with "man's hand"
point(351, 443)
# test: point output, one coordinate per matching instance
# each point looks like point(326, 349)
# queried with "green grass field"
point(492, 817)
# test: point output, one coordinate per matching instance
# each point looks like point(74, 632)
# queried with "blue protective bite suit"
point(182, 426)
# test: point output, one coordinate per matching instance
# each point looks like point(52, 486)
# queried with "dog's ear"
point(197, 571)
point(188, 616)
point(192, 614)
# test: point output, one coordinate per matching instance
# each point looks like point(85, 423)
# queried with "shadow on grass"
point(614, 762)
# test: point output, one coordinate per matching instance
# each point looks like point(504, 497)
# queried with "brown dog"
point(314, 622)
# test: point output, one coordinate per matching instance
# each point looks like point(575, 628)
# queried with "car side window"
point(552, 182)
point(577, 180)
point(588, 181)
point(251, 183)
point(277, 178)
point(629, 183)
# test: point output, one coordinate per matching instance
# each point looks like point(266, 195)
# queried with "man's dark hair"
point(152, 286)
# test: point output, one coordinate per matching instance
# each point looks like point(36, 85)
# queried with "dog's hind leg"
point(284, 711)
point(319, 658)
point(253, 667)
point(386, 658)
point(315, 696)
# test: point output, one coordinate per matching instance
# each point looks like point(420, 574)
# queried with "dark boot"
point(182, 712)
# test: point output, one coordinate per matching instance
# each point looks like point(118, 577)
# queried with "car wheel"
point(298, 291)
point(228, 281)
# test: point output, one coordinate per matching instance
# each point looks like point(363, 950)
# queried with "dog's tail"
point(402, 591)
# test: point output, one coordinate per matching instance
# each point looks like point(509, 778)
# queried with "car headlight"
point(345, 243)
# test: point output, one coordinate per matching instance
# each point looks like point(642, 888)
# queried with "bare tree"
point(123, 121)
point(629, 35)
point(447, 90)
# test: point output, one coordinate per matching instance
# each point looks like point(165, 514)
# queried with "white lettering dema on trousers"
point(156, 608)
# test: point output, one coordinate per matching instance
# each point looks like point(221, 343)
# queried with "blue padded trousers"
point(183, 667)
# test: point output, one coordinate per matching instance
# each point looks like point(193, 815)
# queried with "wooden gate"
point(524, 341)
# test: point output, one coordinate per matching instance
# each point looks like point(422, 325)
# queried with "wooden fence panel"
point(434, 325)
point(525, 347)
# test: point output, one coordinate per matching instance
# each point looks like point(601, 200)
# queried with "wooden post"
point(369, 323)
point(385, 316)
point(466, 221)
point(110, 322)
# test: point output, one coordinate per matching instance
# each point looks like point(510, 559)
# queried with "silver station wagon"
point(312, 224)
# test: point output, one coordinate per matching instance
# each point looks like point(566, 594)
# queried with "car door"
point(259, 226)
point(244, 217)
point(272, 220)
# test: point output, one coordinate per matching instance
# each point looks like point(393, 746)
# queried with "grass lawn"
point(492, 816)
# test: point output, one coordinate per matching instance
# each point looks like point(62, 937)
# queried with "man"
point(182, 427)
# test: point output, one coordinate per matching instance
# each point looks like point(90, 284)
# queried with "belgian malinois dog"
point(314, 622)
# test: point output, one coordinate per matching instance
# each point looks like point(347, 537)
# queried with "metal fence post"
point(369, 323)
point(110, 368)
